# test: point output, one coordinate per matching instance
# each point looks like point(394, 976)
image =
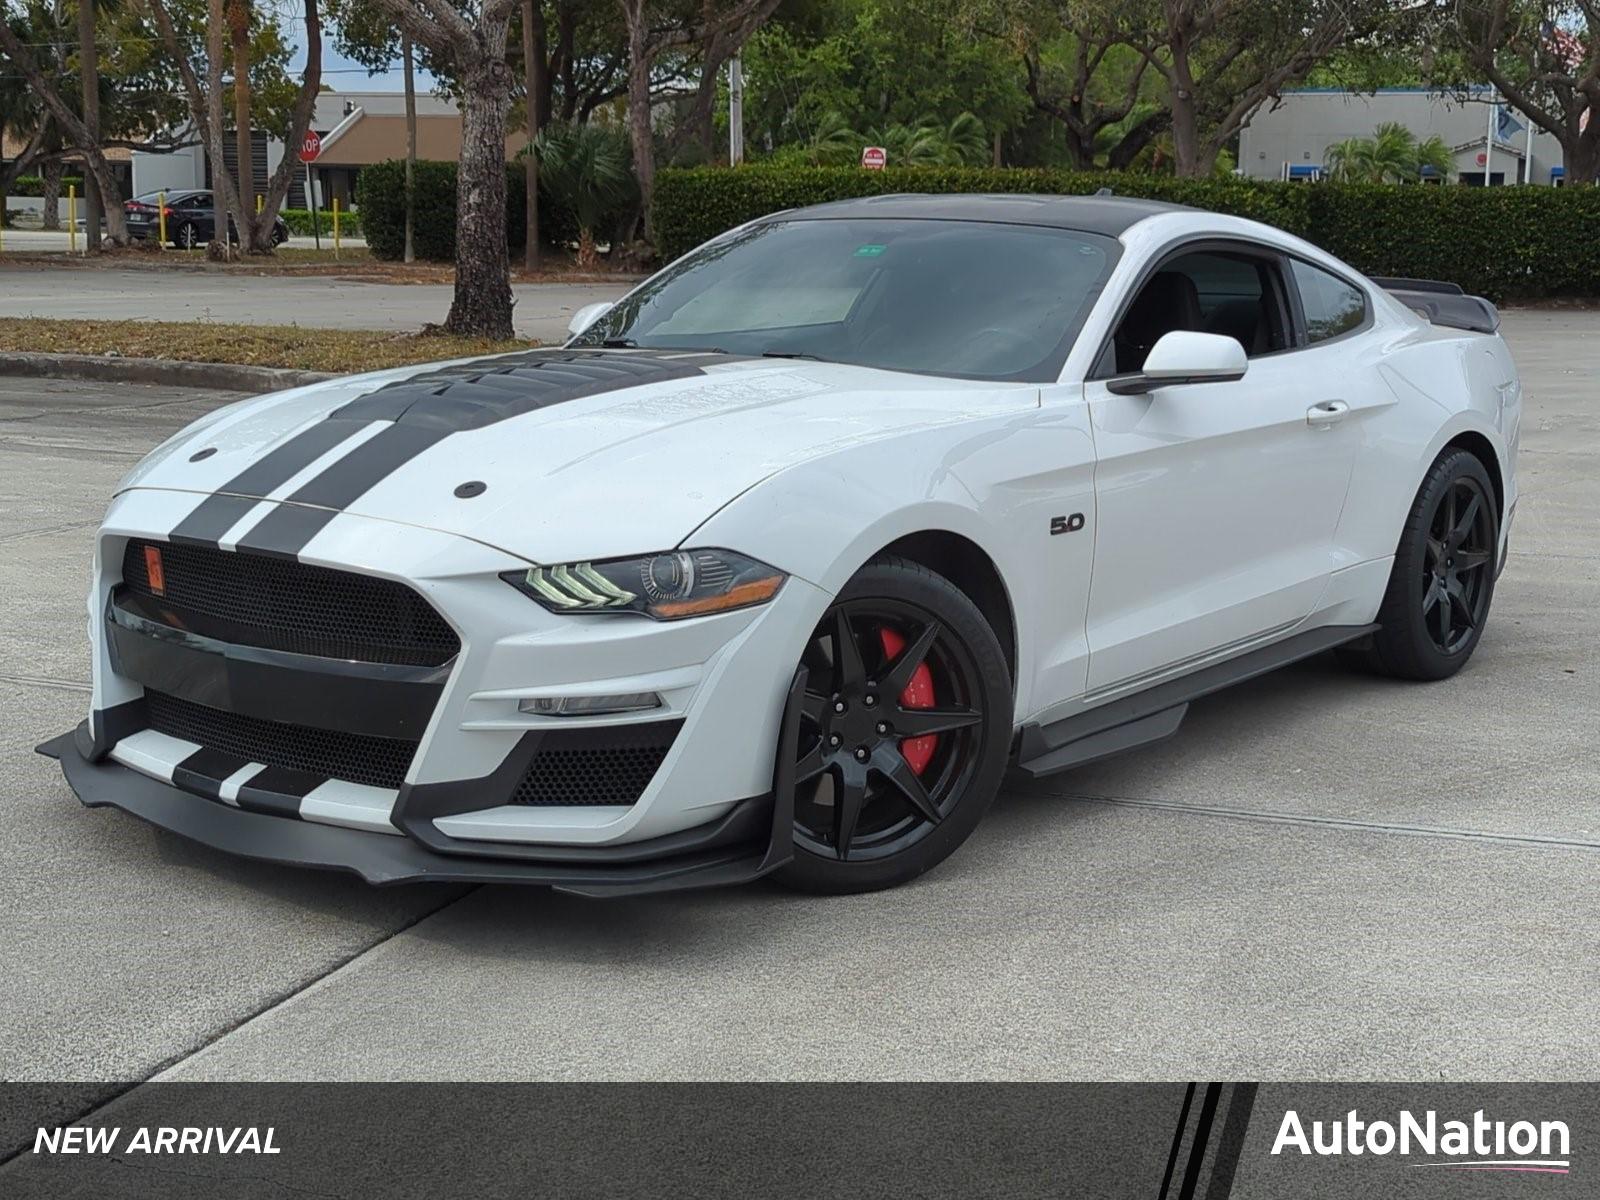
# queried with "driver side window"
point(1236, 295)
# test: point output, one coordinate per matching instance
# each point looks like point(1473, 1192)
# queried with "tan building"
point(357, 129)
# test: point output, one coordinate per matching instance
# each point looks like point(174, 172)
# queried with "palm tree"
point(832, 144)
point(1434, 155)
point(926, 143)
point(586, 170)
point(1391, 155)
point(1394, 153)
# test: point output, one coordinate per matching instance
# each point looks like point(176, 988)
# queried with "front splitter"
point(385, 859)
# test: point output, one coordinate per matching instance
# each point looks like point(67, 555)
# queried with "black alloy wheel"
point(1442, 582)
point(903, 734)
point(187, 237)
point(1458, 565)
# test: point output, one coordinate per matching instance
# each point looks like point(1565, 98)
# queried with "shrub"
point(586, 171)
point(380, 197)
point(299, 221)
point(692, 206)
point(1504, 243)
point(33, 185)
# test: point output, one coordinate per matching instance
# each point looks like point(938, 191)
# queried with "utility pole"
point(89, 70)
point(411, 142)
point(735, 112)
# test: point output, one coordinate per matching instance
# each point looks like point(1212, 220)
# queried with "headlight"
point(667, 586)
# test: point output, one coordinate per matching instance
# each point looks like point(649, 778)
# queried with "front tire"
point(1442, 581)
point(904, 733)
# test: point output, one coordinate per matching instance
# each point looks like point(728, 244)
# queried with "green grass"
point(337, 351)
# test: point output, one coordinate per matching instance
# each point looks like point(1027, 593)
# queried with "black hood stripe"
point(474, 395)
point(424, 410)
point(213, 518)
point(218, 513)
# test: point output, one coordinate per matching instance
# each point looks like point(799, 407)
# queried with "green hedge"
point(380, 195)
point(33, 185)
point(1505, 243)
point(693, 205)
point(299, 221)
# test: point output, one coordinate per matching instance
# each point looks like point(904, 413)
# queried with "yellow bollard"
point(336, 227)
point(72, 218)
point(161, 217)
point(258, 203)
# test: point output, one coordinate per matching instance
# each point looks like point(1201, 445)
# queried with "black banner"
point(1163, 1141)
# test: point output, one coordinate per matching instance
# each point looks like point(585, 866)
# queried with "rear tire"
point(904, 735)
point(187, 236)
point(1442, 582)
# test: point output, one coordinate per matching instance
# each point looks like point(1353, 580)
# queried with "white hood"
point(628, 470)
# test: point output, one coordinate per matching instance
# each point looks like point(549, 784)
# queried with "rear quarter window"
point(1332, 307)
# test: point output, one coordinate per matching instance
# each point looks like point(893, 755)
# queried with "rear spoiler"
point(1443, 303)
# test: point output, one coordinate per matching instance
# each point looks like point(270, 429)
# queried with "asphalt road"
point(322, 301)
point(1324, 876)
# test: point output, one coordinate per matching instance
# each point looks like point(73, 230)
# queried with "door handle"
point(1329, 412)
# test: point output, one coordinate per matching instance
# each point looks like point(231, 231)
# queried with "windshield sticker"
point(869, 251)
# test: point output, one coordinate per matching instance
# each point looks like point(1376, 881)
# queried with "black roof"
point(1092, 214)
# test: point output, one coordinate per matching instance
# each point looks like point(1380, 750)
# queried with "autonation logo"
point(1479, 1144)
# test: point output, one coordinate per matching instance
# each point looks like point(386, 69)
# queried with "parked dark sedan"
point(191, 218)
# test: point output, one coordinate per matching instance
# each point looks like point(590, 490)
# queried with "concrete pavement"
point(323, 301)
point(1322, 876)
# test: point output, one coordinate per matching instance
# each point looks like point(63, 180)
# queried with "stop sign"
point(873, 158)
point(311, 147)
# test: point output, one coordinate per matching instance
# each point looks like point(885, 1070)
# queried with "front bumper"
point(752, 839)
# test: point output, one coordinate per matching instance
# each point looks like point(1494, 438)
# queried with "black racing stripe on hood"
point(424, 410)
point(286, 529)
point(473, 395)
point(218, 513)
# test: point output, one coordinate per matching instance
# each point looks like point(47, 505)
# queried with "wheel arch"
point(968, 566)
point(1481, 448)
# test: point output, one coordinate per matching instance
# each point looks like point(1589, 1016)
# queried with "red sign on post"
point(874, 158)
point(311, 147)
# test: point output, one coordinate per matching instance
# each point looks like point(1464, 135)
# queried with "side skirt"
point(1155, 714)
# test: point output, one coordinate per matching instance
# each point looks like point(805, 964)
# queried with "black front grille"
point(279, 604)
point(596, 766)
point(357, 757)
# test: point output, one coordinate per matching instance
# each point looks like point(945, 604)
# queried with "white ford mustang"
point(783, 560)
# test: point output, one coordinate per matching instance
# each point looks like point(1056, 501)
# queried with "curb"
point(171, 372)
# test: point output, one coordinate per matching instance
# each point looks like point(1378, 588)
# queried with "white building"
point(1290, 138)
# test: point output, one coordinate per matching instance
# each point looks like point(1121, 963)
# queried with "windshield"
point(963, 298)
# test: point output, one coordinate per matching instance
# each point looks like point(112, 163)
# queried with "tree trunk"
point(239, 33)
point(533, 49)
point(644, 151)
point(50, 173)
point(89, 70)
point(1186, 149)
point(482, 303)
point(1581, 159)
point(409, 58)
point(224, 195)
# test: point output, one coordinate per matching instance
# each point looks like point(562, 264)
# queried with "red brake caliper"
point(918, 751)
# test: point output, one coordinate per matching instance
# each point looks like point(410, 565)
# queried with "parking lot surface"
point(1324, 875)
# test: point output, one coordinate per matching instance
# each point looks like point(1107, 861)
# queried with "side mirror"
point(1183, 357)
point(587, 316)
